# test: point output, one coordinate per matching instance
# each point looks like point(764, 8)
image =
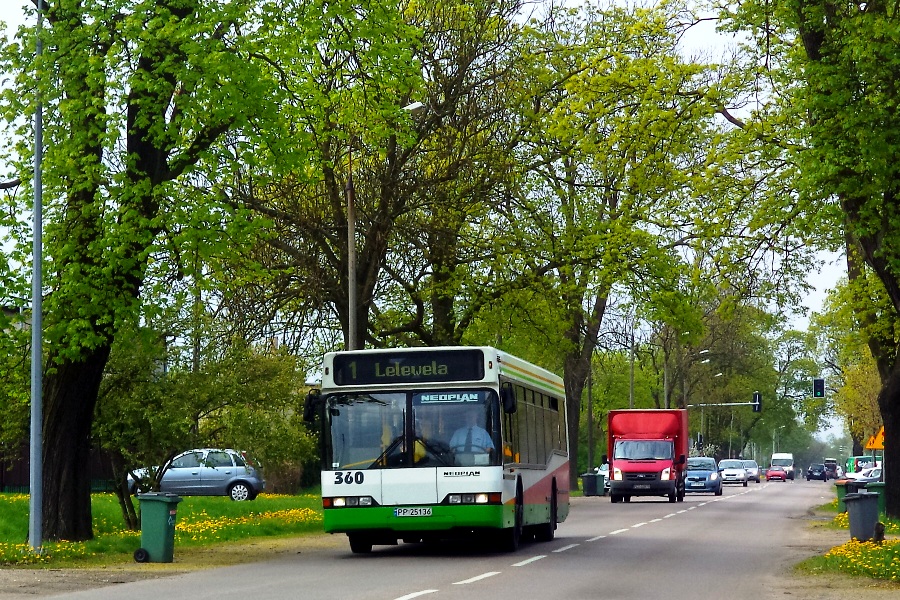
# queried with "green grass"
point(864, 559)
point(201, 522)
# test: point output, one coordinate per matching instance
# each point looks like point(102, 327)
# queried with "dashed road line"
point(530, 560)
point(564, 548)
point(477, 578)
point(416, 595)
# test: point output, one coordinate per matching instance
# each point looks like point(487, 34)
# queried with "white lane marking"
point(617, 531)
point(477, 578)
point(636, 525)
point(655, 520)
point(594, 539)
point(692, 508)
point(668, 516)
point(564, 548)
point(530, 560)
point(416, 595)
point(681, 511)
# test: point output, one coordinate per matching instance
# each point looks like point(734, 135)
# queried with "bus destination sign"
point(408, 367)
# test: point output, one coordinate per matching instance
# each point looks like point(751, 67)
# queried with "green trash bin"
point(878, 488)
point(589, 483)
point(840, 488)
point(158, 511)
point(601, 484)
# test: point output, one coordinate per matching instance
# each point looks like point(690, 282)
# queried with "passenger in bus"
point(471, 437)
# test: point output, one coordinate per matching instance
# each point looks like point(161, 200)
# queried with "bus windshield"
point(388, 430)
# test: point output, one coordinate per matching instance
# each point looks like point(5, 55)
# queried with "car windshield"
point(749, 464)
point(731, 464)
point(706, 464)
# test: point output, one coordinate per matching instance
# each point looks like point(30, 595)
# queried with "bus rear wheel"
point(359, 544)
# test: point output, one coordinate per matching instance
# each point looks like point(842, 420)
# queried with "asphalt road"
point(735, 546)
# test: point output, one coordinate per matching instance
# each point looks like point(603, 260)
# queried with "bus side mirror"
point(681, 459)
point(311, 405)
point(508, 398)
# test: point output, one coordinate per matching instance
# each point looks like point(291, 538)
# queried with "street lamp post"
point(350, 195)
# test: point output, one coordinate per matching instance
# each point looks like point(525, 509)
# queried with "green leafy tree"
point(139, 95)
point(835, 67)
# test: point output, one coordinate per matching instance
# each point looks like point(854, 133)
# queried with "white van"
point(786, 460)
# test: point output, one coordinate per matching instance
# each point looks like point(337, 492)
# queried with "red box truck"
point(647, 453)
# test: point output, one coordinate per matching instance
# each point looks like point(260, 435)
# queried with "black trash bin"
point(589, 484)
point(862, 509)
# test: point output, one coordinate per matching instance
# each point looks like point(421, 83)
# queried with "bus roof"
point(435, 365)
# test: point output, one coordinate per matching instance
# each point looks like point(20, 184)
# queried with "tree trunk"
point(70, 394)
point(889, 402)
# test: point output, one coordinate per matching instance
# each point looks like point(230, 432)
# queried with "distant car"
point(867, 472)
point(831, 468)
point(870, 475)
point(816, 471)
point(732, 471)
point(752, 469)
point(209, 472)
point(604, 470)
point(776, 472)
point(702, 475)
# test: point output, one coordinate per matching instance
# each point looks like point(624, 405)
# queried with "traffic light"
point(757, 402)
point(818, 388)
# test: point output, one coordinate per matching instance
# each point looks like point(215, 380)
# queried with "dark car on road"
point(816, 471)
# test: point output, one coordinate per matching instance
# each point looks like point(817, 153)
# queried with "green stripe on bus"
point(342, 520)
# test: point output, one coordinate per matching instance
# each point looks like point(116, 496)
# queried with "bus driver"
point(471, 437)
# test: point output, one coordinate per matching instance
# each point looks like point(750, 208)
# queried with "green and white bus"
point(421, 444)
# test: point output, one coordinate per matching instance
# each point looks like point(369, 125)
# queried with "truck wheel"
point(671, 496)
point(615, 498)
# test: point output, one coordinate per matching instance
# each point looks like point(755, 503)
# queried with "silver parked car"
point(209, 472)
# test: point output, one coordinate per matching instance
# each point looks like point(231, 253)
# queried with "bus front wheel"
point(510, 538)
point(545, 532)
point(359, 544)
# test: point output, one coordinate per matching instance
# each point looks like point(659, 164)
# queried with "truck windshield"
point(643, 450)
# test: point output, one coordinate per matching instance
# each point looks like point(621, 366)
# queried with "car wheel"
point(719, 492)
point(240, 491)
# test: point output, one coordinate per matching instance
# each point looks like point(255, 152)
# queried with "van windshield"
point(643, 450)
point(782, 462)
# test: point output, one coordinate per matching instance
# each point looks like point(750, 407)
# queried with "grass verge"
point(201, 522)
point(877, 560)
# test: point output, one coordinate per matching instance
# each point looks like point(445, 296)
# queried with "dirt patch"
point(21, 583)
